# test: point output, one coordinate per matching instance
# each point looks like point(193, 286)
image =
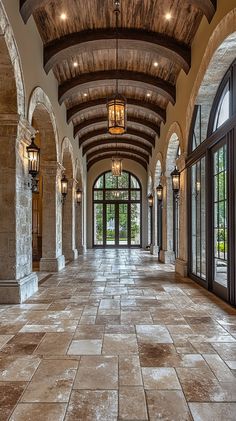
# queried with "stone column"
point(52, 258)
point(167, 254)
point(154, 249)
point(181, 265)
point(68, 223)
point(79, 226)
point(17, 282)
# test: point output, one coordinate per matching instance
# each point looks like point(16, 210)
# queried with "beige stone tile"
point(119, 344)
point(89, 332)
point(97, 372)
point(132, 404)
point(4, 339)
point(10, 393)
point(136, 317)
point(167, 405)
point(130, 371)
point(39, 412)
point(57, 326)
point(162, 378)
point(85, 347)
point(22, 344)
point(153, 334)
point(213, 411)
point(54, 344)
point(226, 351)
point(52, 382)
point(219, 368)
point(89, 405)
point(21, 368)
point(231, 364)
point(120, 329)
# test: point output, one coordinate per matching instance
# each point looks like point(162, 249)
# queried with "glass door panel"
point(110, 225)
point(123, 224)
point(220, 226)
point(98, 224)
point(135, 223)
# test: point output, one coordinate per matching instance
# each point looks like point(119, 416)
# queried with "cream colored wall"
point(98, 169)
point(30, 48)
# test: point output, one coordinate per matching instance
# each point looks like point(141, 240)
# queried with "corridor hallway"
point(118, 336)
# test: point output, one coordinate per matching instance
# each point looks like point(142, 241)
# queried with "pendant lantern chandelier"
point(116, 166)
point(116, 105)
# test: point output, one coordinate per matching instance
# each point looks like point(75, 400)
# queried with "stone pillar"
point(167, 254)
point(52, 259)
point(68, 223)
point(79, 227)
point(17, 282)
point(154, 249)
point(181, 265)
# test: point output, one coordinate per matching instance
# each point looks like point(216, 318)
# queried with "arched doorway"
point(212, 176)
point(117, 211)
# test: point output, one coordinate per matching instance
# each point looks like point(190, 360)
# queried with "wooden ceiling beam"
point(86, 81)
point(114, 150)
point(114, 141)
point(131, 132)
point(83, 106)
point(122, 155)
point(104, 38)
point(103, 119)
point(207, 7)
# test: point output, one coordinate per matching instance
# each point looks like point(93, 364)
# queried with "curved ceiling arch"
point(86, 81)
point(114, 141)
point(120, 150)
point(207, 7)
point(74, 111)
point(104, 38)
point(130, 119)
point(122, 155)
point(133, 132)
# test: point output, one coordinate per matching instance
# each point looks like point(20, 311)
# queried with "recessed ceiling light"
point(168, 16)
point(75, 64)
point(148, 94)
point(85, 94)
point(155, 64)
point(63, 16)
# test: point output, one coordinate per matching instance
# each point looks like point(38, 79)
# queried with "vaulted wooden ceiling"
point(87, 37)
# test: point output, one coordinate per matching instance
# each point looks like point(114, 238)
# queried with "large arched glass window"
point(117, 210)
point(212, 177)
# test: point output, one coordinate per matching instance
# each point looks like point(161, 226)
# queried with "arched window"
point(212, 176)
point(117, 210)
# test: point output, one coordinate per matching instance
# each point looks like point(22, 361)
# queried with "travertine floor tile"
point(132, 404)
point(54, 344)
point(10, 393)
point(167, 405)
point(130, 371)
point(39, 412)
point(85, 347)
point(120, 344)
point(97, 372)
point(18, 368)
point(153, 334)
point(90, 405)
point(52, 382)
point(161, 378)
point(213, 411)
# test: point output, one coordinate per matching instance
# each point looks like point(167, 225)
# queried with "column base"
point(81, 249)
point(167, 256)
point(52, 265)
point(71, 254)
point(17, 291)
point(181, 267)
point(154, 250)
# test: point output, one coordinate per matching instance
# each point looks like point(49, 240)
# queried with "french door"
point(116, 232)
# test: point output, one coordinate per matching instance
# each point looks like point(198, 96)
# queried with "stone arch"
point(12, 99)
point(158, 169)
point(219, 54)
point(69, 206)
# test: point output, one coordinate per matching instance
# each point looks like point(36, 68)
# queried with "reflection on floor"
point(116, 336)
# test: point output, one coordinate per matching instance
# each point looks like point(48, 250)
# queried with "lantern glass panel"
point(117, 116)
point(116, 167)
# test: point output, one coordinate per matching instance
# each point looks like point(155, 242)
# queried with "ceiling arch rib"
point(114, 141)
point(131, 119)
point(132, 132)
point(119, 150)
point(74, 111)
point(130, 38)
point(207, 7)
point(96, 79)
point(121, 155)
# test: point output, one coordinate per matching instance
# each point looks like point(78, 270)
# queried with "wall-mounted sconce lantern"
point(79, 196)
point(159, 191)
point(33, 152)
point(150, 200)
point(175, 180)
point(64, 188)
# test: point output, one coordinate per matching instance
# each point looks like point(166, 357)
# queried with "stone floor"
point(117, 336)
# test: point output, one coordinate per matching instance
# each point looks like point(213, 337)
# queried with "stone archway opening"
point(69, 207)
